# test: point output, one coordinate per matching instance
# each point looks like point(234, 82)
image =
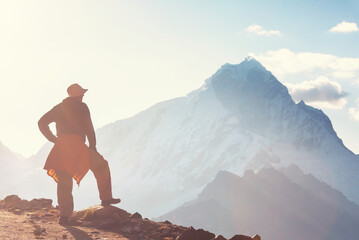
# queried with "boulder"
point(256, 237)
point(98, 212)
point(220, 237)
point(39, 203)
point(2, 204)
point(243, 237)
point(12, 201)
point(108, 224)
point(136, 215)
point(193, 234)
point(108, 217)
point(15, 204)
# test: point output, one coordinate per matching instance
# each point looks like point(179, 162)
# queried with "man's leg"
point(99, 167)
point(64, 194)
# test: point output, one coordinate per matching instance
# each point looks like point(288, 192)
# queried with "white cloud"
point(320, 92)
point(354, 112)
point(283, 62)
point(345, 27)
point(258, 30)
point(343, 74)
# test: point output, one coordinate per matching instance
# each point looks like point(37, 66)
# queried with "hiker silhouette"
point(70, 157)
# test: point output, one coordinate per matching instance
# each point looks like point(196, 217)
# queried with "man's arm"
point(44, 122)
point(90, 132)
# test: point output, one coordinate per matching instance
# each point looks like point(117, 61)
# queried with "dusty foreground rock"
point(38, 219)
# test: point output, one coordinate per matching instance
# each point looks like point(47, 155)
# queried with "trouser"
point(101, 171)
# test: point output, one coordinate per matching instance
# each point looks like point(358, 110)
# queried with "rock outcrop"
point(17, 205)
point(106, 219)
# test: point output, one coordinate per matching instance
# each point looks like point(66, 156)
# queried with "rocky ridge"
point(38, 219)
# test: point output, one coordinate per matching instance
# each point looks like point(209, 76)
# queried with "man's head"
point(75, 90)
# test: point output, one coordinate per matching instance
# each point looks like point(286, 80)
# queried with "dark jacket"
point(71, 117)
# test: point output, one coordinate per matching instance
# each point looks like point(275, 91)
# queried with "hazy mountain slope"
point(12, 168)
point(273, 206)
point(241, 118)
point(36, 180)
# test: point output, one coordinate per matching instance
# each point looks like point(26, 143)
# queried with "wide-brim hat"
point(75, 90)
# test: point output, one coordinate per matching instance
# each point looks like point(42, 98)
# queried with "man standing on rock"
point(70, 157)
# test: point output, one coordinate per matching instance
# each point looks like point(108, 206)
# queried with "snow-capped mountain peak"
point(241, 118)
point(239, 72)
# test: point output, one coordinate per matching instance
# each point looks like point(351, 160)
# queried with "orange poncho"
point(69, 154)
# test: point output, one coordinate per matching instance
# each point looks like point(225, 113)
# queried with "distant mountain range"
point(11, 170)
point(241, 119)
point(286, 204)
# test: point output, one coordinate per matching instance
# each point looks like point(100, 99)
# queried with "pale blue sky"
point(304, 24)
point(133, 54)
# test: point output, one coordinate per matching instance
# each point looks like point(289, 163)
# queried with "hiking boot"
point(66, 221)
point(108, 202)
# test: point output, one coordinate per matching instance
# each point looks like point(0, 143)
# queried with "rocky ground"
point(38, 219)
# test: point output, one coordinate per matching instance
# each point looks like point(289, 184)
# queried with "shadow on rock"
point(78, 233)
